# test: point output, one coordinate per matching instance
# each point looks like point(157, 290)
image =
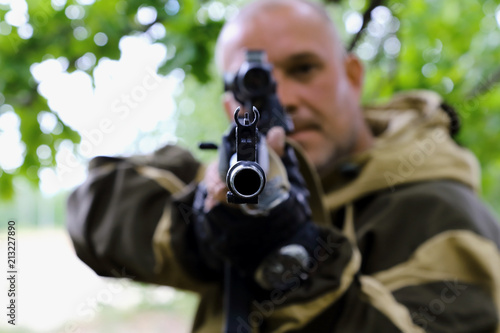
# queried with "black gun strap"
point(236, 300)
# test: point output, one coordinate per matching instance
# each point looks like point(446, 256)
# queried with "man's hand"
point(226, 232)
point(216, 188)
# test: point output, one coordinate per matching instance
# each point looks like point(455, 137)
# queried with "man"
point(404, 245)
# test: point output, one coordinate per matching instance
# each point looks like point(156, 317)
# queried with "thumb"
point(276, 140)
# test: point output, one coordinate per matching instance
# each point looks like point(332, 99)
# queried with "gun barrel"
point(246, 179)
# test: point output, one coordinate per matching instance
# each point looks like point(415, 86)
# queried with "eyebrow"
point(298, 57)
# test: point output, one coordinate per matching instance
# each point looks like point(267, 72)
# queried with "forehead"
point(283, 32)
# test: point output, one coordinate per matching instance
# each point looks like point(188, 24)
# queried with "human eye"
point(303, 71)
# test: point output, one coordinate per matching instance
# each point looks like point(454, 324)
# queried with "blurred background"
point(82, 78)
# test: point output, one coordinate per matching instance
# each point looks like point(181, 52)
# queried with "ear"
point(229, 105)
point(354, 71)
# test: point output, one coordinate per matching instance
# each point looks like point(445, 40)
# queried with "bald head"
point(258, 6)
point(260, 12)
point(318, 84)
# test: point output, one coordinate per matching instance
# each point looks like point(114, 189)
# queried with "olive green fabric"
point(414, 146)
point(404, 245)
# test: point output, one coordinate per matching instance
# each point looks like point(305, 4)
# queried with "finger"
point(216, 196)
point(276, 140)
point(210, 203)
point(216, 188)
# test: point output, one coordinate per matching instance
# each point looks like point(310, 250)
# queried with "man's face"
point(318, 86)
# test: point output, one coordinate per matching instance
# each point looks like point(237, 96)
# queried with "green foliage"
point(448, 46)
point(57, 36)
point(451, 47)
point(201, 117)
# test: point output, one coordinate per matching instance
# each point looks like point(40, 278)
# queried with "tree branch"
point(484, 86)
point(366, 20)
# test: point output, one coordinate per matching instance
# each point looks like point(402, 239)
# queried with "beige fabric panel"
point(375, 293)
point(169, 271)
point(414, 145)
point(167, 268)
point(382, 299)
point(452, 255)
point(164, 178)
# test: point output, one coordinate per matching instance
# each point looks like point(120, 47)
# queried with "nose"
point(287, 92)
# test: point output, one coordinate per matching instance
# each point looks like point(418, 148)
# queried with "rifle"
point(243, 158)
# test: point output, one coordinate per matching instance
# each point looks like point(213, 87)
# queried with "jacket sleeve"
point(424, 259)
point(113, 216)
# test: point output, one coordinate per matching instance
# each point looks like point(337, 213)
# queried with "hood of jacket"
point(412, 144)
